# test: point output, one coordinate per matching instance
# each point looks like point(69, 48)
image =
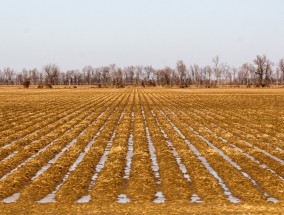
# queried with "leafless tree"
point(26, 80)
point(196, 75)
point(181, 69)
point(260, 73)
point(117, 77)
point(52, 74)
point(263, 70)
point(88, 71)
point(8, 75)
point(1, 77)
point(106, 76)
point(228, 75)
point(129, 75)
point(207, 73)
point(138, 76)
point(149, 75)
point(281, 70)
point(98, 76)
point(34, 76)
point(244, 74)
point(167, 72)
point(70, 75)
point(219, 69)
point(234, 73)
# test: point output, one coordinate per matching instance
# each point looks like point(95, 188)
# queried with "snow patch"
point(12, 199)
point(205, 163)
point(123, 199)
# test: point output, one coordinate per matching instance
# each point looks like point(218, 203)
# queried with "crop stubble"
point(195, 146)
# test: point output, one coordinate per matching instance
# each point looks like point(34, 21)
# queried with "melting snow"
point(12, 199)
point(159, 198)
point(204, 161)
point(102, 161)
point(123, 198)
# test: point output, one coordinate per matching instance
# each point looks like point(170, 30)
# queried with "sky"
point(77, 33)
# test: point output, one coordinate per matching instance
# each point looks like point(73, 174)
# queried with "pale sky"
point(76, 33)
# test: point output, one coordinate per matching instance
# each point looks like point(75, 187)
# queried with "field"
point(141, 150)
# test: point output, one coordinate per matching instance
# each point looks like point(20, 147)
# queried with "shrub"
point(26, 83)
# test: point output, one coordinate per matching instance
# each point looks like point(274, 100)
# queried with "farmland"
point(124, 149)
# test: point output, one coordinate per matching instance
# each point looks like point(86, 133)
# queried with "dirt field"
point(141, 151)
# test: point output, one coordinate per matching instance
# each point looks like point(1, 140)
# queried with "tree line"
point(260, 73)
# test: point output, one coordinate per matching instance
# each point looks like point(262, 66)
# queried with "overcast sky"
point(75, 33)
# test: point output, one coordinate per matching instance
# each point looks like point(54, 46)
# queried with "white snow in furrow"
point(52, 196)
point(253, 146)
point(256, 130)
point(155, 167)
point(20, 138)
point(264, 152)
point(101, 163)
point(68, 146)
point(267, 143)
point(36, 154)
point(26, 161)
point(11, 143)
point(130, 149)
point(123, 198)
point(33, 132)
point(129, 157)
point(26, 147)
point(245, 133)
point(205, 163)
point(229, 160)
point(240, 150)
point(278, 148)
point(252, 158)
point(11, 199)
point(9, 156)
point(44, 168)
point(234, 164)
point(182, 167)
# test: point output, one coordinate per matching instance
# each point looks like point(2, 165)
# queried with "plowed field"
point(141, 150)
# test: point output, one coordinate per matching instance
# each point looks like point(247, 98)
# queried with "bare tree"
point(281, 70)
point(70, 76)
point(166, 75)
point(260, 73)
point(106, 76)
point(263, 70)
point(244, 74)
point(234, 73)
point(52, 74)
point(8, 75)
point(207, 73)
point(1, 77)
point(228, 75)
point(34, 76)
point(117, 77)
point(196, 75)
point(62, 78)
point(87, 71)
point(219, 69)
point(129, 75)
point(181, 69)
point(149, 71)
point(138, 76)
point(98, 76)
point(26, 80)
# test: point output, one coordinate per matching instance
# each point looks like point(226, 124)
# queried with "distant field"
point(133, 150)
